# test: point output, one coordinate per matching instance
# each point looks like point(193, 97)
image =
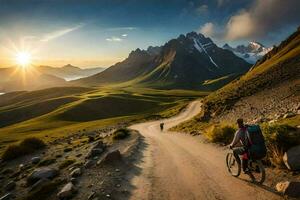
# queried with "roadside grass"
point(27, 146)
point(279, 136)
point(220, 133)
point(90, 109)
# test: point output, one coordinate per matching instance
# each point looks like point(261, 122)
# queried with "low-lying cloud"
point(263, 17)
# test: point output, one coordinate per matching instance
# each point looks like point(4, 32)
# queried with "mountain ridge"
point(184, 62)
point(251, 53)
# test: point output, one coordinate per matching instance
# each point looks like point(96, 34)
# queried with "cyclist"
point(162, 126)
point(240, 144)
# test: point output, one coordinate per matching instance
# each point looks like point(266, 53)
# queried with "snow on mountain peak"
point(251, 53)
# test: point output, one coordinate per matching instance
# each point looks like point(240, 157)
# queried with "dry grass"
point(220, 133)
point(27, 146)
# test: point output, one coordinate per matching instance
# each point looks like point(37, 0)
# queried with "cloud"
point(221, 3)
point(129, 28)
point(202, 10)
point(207, 29)
point(59, 33)
point(114, 39)
point(124, 35)
point(263, 17)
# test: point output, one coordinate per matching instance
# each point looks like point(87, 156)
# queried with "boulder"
point(41, 173)
point(89, 164)
point(67, 191)
point(39, 184)
point(10, 186)
point(291, 158)
point(95, 152)
point(7, 196)
point(35, 160)
point(291, 189)
point(111, 158)
point(76, 172)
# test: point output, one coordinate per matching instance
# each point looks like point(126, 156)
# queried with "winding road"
point(180, 166)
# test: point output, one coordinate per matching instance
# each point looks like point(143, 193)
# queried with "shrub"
point(279, 138)
point(33, 143)
point(121, 134)
point(220, 133)
point(283, 136)
point(27, 146)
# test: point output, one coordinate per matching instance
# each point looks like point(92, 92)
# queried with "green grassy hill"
point(57, 112)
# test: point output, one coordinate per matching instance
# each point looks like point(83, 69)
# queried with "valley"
point(154, 125)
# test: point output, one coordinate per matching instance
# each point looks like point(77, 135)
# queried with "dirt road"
point(178, 166)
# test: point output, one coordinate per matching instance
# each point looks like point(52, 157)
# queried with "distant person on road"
point(162, 126)
point(240, 144)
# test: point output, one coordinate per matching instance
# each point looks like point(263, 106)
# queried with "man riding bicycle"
point(240, 145)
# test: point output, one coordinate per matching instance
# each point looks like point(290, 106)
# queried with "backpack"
point(257, 147)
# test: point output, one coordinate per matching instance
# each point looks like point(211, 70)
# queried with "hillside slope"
point(278, 70)
point(185, 62)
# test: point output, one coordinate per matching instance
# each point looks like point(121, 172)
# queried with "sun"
point(23, 59)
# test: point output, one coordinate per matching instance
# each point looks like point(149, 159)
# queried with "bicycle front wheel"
point(233, 165)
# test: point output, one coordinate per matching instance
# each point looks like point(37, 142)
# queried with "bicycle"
point(256, 169)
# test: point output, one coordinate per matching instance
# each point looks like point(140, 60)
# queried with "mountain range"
point(185, 62)
point(251, 53)
point(39, 77)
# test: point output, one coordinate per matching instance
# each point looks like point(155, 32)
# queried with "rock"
point(35, 160)
point(68, 149)
point(7, 171)
point(73, 180)
point(291, 158)
point(41, 173)
point(92, 195)
point(79, 155)
point(21, 167)
point(89, 164)
point(47, 162)
point(10, 186)
point(76, 172)
point(91, 139)
point(288, 115)
point(95, 152)
point(6, 196)
point(67, 191)
point(39, 184)
point(111, 158)
point(291, 189)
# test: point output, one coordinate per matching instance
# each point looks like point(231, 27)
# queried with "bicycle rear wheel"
point(257, 171)
point(233, 166)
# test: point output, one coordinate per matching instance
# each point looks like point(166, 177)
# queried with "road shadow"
point(260, 186)
point(133, 170)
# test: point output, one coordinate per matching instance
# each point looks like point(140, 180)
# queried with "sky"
point(91, 33)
